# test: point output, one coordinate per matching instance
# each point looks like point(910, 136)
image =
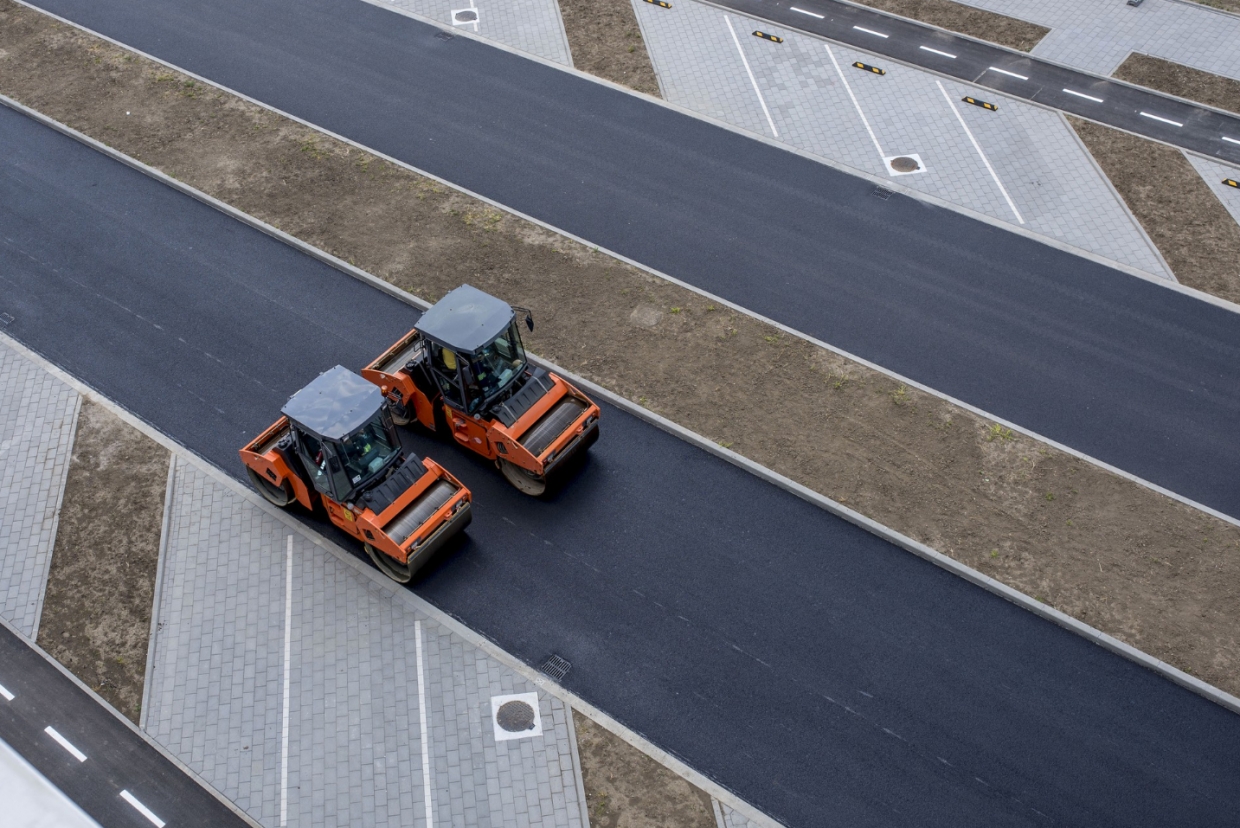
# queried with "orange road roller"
point(336, 445)
point(462, 370)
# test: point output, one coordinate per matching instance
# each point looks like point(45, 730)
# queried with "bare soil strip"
point(606, 41)
point(100, 589)
point(1184, 218)
point(1225, 5)
point(957, 17)
point(1183, 81)
point(625, 788)
point(1157, 574)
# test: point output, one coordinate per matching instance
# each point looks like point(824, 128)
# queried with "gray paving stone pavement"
point(725, 817)
point(1054, 186)
point(1097, 35)
point(37, 418)
point(354, 735)
point(1213, 173)
point(533, 26)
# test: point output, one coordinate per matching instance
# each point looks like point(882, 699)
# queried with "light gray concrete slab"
point(354, 725)
point(533, 26)
point(728, 818)
point(1039, 176)
point(1213, 173)
point(37, 418)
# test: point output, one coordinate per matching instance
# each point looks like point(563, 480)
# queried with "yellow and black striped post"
point(865, 67)
point(982, 104)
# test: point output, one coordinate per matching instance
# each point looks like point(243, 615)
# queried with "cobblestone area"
point(1054, 186)
point(354, 744)
point(37, 414)
point(1213, 173)
point(532, 26)
point(728, 818)
point(1096, 35)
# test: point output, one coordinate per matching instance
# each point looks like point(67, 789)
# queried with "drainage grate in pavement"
point(444, 35)
point(556, 667)
point(881, 192)
point(515, 716)
point(5, 319)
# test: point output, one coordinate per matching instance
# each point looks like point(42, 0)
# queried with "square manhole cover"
point(516, 716)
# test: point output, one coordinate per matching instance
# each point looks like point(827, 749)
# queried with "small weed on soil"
point(957, 17)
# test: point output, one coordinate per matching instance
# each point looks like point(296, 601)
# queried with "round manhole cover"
point(466, 16)
point(904, 164)
point(515, 716)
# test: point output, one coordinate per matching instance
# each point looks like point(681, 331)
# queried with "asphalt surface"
point(820, 672)
point(117, 759)
point(1126, 371)
point(1196, 128)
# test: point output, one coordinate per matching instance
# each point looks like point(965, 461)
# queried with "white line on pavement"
point(810, 13)
point(1231, 140)
point(848, 89)
point(870, 31)
point(1083, 95)
point(65, 743)
point(4, 691)
point(978, 147)
point(752, 79)
point(1160, 118)
point(288, 647)
point(1006, 72)
point(142, 809)
point(937, 52)
point(426, 748)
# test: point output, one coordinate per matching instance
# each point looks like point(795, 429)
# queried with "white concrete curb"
point(158, 590)
point(60, 502)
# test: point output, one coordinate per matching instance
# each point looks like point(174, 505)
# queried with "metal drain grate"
point(881, 192)
point(444, 35)
point(556, 667)
point(5, 319)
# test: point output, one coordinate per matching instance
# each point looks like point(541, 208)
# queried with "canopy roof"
point(335, 404)
point(465, 320)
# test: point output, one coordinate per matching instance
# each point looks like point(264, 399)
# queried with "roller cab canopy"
point(466, 320)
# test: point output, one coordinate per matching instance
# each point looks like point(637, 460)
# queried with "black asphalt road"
point(820, 672)
point(117, 759)
point(1139, 376)
point(1186, 125)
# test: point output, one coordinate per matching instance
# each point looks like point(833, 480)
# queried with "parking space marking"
point(1006, 72)
point(853, 97)
point(752, 79)
point(288, 652)
point(981, 154)
point(65, 743)
point(810, 13)
point(1160, 118)
point(871, 32)
point(937, 52)
point(1083, 95)
point(426, 747)
point(142, 809)
point(4, 691)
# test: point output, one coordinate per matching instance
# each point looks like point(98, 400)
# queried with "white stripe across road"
point(937, 52)
point(870, 31)
point(4, 691)
point(1083, 95)
point(65, 743)
point(1231, 140)
point(1006, 72)
point(1160, 118)
point(810, 13)
point(142, 809)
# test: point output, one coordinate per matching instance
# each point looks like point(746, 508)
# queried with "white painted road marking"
point(1160, 118)
point(288, 647)
point(1083, 95)
point(1231, 140)
point(1006, 72)
point(937, 52)
point(870, 31)
point(4, 691)
point(810, 13)
point(752, 79)
point(978, 147)
point(848, 89)
point(142, 809)
point(426, 748)
point(65, 743)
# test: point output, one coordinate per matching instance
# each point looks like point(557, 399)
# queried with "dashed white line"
point(981, 154)
point(1160, 118)
point(288, 647)
point(810, 13)
point(142, 809)
point(870, 31)
point(937, 52)
point(426, 748)
point(848, 89)
point(1231, 140)
point(65, 743)
point(1006, 72)
point(752, 79)
point(4, 691)
point(1083, 95)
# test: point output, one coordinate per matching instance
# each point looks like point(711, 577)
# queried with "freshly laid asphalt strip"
point(1200, 129)
point(117, 759)
point(822, 673)
point(1136, 375)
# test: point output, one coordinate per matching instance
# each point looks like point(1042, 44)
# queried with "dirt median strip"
point(967, 20)
point(1182, 81)
point(606, 41)
point(1150, 571)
